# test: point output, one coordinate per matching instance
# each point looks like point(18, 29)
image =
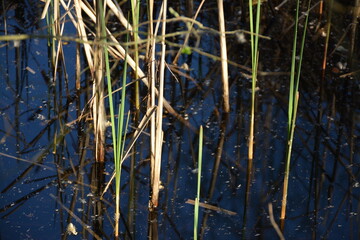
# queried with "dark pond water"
point(49, 177)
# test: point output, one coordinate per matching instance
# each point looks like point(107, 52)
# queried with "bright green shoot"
point(293, 105)
point(197, 199)
point(254, 40)
point(116, 128)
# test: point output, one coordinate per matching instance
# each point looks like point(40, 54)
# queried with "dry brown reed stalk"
point(155, 182)
point(115, 8)
point(119, 52)
point(135, 16)
point(45, 10)
point(98, 104)
point(78, 73)
point(59, 28)
point(223, 54)
point(80, 27)
point(77, 61)
point(151, 103)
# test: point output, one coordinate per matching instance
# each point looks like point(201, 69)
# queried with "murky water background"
point(38, 126)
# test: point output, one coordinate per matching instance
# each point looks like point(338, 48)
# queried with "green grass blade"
point(292, 108)
point(197, 199)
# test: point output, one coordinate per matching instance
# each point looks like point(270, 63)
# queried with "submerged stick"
point(273, 222)
point(76, 218)
point(212, 207)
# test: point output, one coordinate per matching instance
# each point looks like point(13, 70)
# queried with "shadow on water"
point(52, 187)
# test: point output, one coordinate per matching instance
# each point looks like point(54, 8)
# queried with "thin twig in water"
point(211, 207)
point(86, 227)
point(273, 222)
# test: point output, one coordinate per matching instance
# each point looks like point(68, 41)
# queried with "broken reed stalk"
point(223, 54)
point(292, 107)
point(197, 199)
point(159, 115)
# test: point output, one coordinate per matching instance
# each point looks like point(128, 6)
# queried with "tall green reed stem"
point(135, 7)
point(292, 107)
point(116, 129)
point(254, 38)
point(197, 199)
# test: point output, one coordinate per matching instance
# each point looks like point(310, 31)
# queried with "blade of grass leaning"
point(197, 199)
point(292, 108)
